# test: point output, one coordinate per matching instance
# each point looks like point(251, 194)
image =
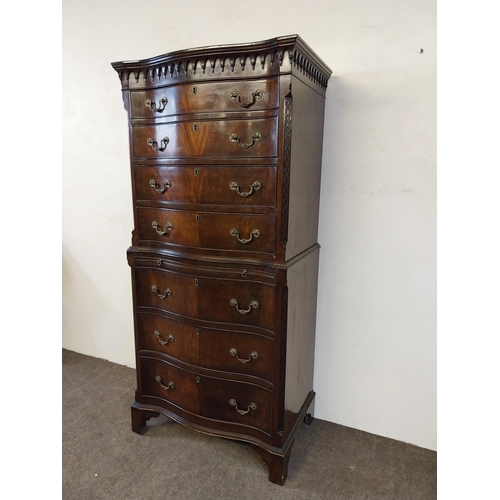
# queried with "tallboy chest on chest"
point(225, 159)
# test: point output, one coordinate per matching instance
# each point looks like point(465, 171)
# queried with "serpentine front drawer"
point(213, 348)
point(215, 398)
point(219, 300)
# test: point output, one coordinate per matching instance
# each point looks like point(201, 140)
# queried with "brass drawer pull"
point(253, 305)
point(255, 233)
point(234, 352)
point(167, 387)
point(152, 105)
point(255, 95)
point(234, 187)
point(154, 145)
point(251, 406)
point(255, 137)
point(166, 293)
point(168, 227)
point(163, 187)
point(170, 338)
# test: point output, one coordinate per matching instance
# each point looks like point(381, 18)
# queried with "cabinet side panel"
point(305, 170)
point(302, 281)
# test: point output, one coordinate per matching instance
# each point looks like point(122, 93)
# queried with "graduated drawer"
point(206, 298)
point(205, 97)
point(209, 397)
point(239, 138)
point(221, 185)
point(246, 232)
point(215, 349)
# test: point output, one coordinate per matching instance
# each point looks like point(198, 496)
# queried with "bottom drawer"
point(210, 397)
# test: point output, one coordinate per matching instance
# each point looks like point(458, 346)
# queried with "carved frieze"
point(269, 58)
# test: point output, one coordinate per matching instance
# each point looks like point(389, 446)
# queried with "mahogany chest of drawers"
point(225, 153)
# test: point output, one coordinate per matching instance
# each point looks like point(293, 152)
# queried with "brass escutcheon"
point(255, 95)
point(170, 338)
point(251, 406)
point(162, 187)
point(168, 227)
point(234, 352)
point(254, 234)
point(255, 137)
point(167, 387)
point(167, 292)
point(154, 145)
point(253, 305)
point(152, 106)
point(255, 186)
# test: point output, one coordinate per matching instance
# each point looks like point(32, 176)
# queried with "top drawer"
point(205, 97)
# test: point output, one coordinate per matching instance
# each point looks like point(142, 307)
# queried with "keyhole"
point(196, 172)
point(195, 127)
point(194, 90)
point(197, 218)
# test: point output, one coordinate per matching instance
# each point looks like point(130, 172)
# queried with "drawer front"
point(169, 383)
point(215, 349)
point(169, 291)
point(235, 185)
point(210, 299)
point(205, 97)
point(236, 402)
point(245, 232)
point(208, 397)
point(238, 138)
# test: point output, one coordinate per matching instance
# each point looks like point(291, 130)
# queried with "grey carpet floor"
point(104, 460)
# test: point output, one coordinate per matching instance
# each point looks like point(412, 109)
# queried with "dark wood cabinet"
point(225, 152)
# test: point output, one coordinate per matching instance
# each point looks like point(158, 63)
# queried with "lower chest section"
point(208, 342)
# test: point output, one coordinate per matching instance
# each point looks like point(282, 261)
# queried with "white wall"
point(376, 336)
